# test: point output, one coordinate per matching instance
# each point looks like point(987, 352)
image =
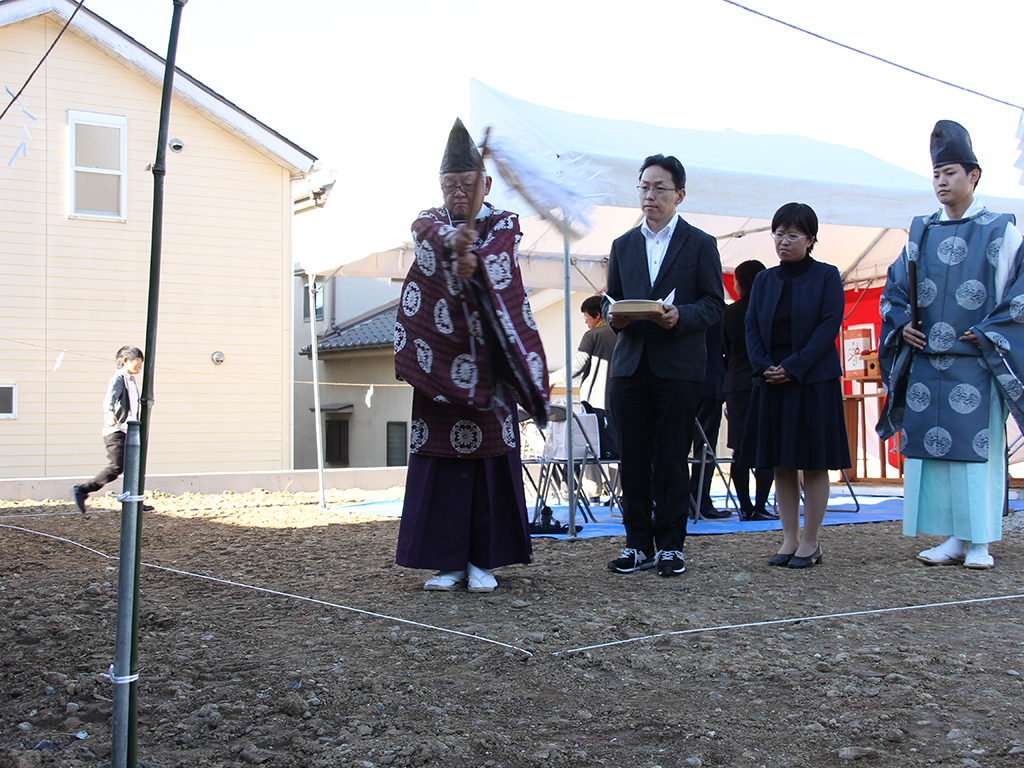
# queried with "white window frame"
point(76, 117)
point(14, 401)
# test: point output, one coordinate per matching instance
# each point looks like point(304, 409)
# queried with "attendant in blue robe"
point(795, 421)
point(950, 380)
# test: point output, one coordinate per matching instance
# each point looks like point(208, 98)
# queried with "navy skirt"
point(796, 425)
point(460, 511)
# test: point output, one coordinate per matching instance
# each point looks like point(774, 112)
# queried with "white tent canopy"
point(735, 183)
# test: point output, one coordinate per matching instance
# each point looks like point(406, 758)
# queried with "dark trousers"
point(709, 415)
point(460, 511)
point(654, 417)
point(115, 463)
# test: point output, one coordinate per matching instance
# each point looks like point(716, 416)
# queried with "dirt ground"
point(276, 634)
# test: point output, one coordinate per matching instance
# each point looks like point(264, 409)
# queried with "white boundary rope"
point(819, 617)
point(264, 590)
point(747, 625)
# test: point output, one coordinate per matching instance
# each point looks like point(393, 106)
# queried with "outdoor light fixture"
point(217, 357)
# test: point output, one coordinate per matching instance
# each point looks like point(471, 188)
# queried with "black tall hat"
point(951, 143)
point(460, 154)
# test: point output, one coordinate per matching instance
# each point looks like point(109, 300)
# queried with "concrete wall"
point(368, 479)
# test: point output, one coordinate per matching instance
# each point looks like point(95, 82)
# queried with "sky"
point(373, 88)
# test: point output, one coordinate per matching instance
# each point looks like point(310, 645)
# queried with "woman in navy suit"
point(796, 409)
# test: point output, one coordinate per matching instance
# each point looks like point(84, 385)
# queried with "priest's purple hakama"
point(471, 350)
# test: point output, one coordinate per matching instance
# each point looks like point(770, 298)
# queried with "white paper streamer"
point(369, 396)
point(547, 184)
point(60, 359)
point(1020, 135)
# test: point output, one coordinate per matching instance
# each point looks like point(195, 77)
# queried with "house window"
point(397, 444)
point(98, 159)
point(8, 401)
point(319, 285)
point(336, 441)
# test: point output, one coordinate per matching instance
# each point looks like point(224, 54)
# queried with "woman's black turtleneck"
point(782, 321)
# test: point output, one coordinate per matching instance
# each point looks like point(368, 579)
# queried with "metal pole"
point(121, 673)
point(146, 398)
point(311, 287)
point(570, 473)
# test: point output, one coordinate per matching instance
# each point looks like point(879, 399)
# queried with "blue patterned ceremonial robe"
point(947, 401)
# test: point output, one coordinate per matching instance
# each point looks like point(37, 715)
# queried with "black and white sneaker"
point(631, 560)
point(670, 562)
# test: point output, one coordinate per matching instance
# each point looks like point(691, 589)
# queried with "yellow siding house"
point(75, 225)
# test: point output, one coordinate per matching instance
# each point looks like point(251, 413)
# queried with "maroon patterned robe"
point(469, 347)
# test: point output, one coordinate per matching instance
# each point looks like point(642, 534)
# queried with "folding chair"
point(554, 468)
point(707, 454)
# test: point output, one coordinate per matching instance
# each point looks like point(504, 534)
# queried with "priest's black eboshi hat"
point(460, 154)
point(950, 144)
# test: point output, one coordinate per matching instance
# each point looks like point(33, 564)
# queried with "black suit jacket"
point(693, 268)
point(739, 373)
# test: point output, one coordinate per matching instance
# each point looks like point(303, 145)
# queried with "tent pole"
point(311, 287)
point(570, 465)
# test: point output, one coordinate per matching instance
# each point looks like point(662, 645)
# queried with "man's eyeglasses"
point(643, 189)
point(787, 237)
point(451, 189)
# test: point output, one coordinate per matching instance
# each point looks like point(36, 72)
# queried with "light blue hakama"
point(959, 498)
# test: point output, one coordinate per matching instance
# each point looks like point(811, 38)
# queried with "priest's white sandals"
point(447, 581)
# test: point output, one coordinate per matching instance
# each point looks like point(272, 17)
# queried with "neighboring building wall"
point(80, 286)
point(345, 298)
point(391, 401)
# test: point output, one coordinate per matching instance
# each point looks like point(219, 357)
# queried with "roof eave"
point(149, 66)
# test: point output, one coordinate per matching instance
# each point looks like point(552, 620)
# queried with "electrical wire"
point(45, 55)
point(871, 55)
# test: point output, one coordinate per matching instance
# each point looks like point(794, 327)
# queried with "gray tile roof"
point(371, 331)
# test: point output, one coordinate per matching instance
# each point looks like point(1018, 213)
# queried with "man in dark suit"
point(659, 362)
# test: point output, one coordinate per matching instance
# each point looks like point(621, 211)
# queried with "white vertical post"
point(311, 287)
point(570, 466)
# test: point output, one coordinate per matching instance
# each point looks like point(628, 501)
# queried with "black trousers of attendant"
point(654, 416)
point(115, 463)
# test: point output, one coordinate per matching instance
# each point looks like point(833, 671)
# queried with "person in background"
point(739, 382)
point(467, 343)
point(592, 364)
point(949, 381)
point(796, 419)
point(120, 405)
point(593, 358)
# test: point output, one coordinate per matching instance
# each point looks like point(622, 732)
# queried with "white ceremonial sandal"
point(448, 581)
point(949, 552)
point(481, 580)
point(978, 558)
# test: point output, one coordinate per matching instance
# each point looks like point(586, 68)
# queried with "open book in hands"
point(643, 309)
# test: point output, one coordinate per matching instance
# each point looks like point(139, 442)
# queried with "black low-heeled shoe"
point(779, 559)
point(805, 562)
